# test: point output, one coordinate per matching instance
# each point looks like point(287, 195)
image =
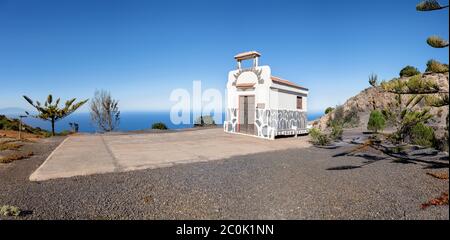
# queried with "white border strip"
point(32, 176)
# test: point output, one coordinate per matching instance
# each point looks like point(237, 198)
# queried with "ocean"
point(129, 121)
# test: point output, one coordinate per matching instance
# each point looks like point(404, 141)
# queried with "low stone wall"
point(231, 120)
point(271, 122)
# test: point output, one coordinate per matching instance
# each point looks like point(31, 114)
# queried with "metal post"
point(20, 125)
point(20, 128)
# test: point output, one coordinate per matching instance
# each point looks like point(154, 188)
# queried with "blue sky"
point(141, 50)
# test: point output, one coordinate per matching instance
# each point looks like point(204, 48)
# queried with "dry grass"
point(7, 145)
point(15, 134)
point(362, 147)
point(367, 146)
point(148, 199)
point(440, 201)
point(15, 156)
point(439, 175)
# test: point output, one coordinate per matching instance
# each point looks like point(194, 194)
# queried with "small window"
point(299, 102)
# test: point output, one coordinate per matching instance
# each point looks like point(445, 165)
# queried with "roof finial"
point(247, 55)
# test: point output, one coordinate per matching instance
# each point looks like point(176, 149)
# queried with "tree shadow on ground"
point(403, 161)
point(428, 164)
point(435, 167)
point(329, 147)
point(25, 213)
point(370, 158)
point(345, 167)
point(378, 153)
point(425, 154)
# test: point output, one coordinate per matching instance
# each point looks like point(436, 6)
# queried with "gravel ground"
point(292, 184)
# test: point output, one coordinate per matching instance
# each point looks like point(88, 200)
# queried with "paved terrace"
point(88, 154)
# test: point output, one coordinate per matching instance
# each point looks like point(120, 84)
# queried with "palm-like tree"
point(433, 5)
point(436, 42)
point(430, 5)
point(50, 111)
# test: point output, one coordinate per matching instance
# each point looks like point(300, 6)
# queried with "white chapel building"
point(263, 105)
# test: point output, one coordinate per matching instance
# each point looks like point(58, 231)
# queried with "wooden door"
point(247, 114)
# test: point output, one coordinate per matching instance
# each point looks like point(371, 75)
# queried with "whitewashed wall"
point(261, 90)
point(279, 116)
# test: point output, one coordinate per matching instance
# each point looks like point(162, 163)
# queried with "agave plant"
point(50, 111)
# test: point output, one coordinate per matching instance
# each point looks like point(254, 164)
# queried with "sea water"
point(129, 121)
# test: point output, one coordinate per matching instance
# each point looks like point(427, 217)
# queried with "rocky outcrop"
point(372, 97)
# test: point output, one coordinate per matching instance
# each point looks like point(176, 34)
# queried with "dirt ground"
point(294, 183)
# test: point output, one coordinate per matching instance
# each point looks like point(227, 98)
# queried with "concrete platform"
point(94, 154)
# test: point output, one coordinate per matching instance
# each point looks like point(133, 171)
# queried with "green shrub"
point(46, 134)
point(7, 210)
point(323, 140)
point(13, 124)
point(9, 124)
point(422, 135)
point(409, 71)
point(3, 121)
point(436, 67)
point(159, 125)
point(318, 138)
point(314, 133)
point(376, 121)
point(336, 132)
point(204, 121)
point(329, 109)
point(64, 133)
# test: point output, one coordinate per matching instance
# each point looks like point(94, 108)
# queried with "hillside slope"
point(366, 99)
point(7, 124)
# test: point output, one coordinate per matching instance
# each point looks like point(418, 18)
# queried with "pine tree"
point(417, 87)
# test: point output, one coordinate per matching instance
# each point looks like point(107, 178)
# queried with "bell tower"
point(246, 56)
